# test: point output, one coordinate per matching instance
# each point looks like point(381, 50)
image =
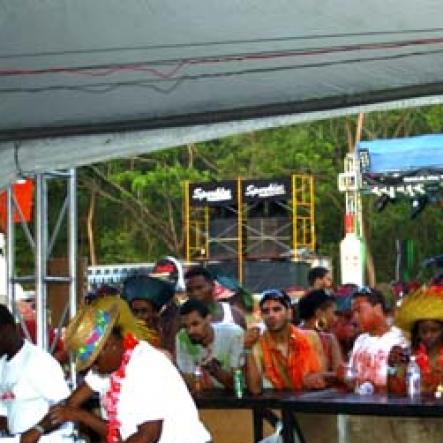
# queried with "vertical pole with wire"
point(72, 251)
point(41, 260)
point(207, 232)
point(294, 217)
point(186, 222)
point(10, 250)
point(239, 231)
point(312, 211)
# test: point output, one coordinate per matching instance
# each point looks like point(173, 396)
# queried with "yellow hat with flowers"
point(127, 322)
point(88, 331)
point(424, 304)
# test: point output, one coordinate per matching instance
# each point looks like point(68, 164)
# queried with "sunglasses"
point(364, 290)
point(275, 294)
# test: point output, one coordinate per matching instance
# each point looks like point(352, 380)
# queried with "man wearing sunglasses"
point(283, 357)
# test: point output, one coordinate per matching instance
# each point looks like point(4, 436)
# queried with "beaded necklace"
point(112, 396)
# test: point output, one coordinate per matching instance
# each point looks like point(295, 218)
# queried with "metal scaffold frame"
point(300, 206)
point(41, 245)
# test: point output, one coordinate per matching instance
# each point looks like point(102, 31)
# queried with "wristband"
point(392, 370)
point(39, 428)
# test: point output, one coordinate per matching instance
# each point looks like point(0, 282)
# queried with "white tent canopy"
point(127, 77)
point(88, 80)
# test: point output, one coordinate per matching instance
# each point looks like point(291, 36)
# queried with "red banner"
point(23, 191)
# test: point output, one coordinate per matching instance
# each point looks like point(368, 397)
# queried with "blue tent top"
point(404, 154)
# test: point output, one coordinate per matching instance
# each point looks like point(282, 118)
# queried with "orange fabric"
point(23, 192)
point(288, 372)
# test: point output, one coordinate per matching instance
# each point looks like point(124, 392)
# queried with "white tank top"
point(227, 313)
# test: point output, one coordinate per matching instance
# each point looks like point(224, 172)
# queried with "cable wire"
point(147, 66)
point(153, 84)
point(221, 43)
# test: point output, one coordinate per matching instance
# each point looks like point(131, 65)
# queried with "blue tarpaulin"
point(403, 154)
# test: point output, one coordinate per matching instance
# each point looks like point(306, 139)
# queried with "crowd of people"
point(143, 344)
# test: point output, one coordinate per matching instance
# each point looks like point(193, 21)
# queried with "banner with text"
point(259, 190)
point(222, 193)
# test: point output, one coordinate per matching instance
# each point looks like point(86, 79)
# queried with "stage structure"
point(48, 272)
point(242, 223)
point(403, 168)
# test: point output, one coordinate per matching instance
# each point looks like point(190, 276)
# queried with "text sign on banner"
point(222, 193)
point(258, 190)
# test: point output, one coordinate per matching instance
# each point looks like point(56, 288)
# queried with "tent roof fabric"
point(91, 80)
point(404, 154)
point(106, 65)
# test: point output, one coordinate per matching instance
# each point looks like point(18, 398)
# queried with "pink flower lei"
point(112, 397)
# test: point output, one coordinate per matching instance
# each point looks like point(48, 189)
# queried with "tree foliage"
point(136, 204)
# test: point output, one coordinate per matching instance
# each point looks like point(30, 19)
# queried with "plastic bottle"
point(413, 378)
point(198, 378)
point(366, 388)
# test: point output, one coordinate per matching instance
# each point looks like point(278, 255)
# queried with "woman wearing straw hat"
point(420, 316)
point(144, 396)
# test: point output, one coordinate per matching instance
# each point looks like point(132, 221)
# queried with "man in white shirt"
point(369, 357)
point(216, 347)
point(144, 395)
point(31, 380)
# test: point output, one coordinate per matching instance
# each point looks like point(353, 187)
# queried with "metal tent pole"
point(72, 251)
point(10, 251)
point(239, 231)
point(186, 223)
point(41, 259)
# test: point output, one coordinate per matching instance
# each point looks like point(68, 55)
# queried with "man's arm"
point(253, 375)
point(337, 356)
point(33, 434)
point(238, 317)
point(148, 432)
point(186, 366)
point(62, 414)
point(253, 371)
point(53, 389)
point(81, 394)
point(213, 367)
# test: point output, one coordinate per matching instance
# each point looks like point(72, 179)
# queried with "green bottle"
point(239, 383)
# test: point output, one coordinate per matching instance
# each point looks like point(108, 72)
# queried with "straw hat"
point(424, 304)
point(88, 331)
point(126, 321)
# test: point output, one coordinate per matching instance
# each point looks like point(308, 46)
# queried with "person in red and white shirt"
point(369, 356)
